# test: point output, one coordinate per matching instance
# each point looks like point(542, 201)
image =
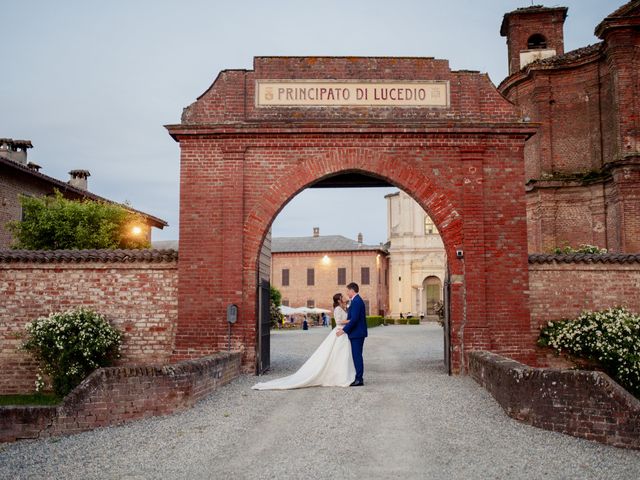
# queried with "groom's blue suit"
point(356, 329)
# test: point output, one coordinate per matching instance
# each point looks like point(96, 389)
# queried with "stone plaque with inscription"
point(336, 93)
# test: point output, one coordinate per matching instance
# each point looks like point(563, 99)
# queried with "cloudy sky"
point(92, 83)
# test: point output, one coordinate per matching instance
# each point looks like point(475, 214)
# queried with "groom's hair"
point(353, 286)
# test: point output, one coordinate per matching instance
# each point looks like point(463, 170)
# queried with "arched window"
point(429, 227)
point(536, 41)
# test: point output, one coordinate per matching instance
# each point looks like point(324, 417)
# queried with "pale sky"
point(92, 83)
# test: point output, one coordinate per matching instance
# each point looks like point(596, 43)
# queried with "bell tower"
point(533, 33)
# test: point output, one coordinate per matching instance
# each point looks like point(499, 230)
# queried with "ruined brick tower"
point(583, 167)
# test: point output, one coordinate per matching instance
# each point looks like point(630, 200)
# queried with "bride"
point(331, 365)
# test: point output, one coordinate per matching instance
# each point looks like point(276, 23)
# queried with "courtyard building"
point(308, 271)
point(18, 176)
point(416, 259)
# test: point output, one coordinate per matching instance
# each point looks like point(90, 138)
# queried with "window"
point(311, 304)
point(537, 41)
point(364, 276)
point(429, 226)
point(311, 276)
point(285, 303)
point(342, 276)
point(285, 277)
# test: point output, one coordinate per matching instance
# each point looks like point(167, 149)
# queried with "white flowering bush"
point(610, 338)
point(70, 345)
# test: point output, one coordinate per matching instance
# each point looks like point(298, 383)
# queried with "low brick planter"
point(115, 395)
point(581, 403)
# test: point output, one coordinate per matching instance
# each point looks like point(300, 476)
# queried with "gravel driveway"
point(410, 420)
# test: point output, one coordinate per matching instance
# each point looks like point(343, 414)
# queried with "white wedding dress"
point(331, 365)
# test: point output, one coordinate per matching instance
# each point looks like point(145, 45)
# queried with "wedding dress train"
point(331, 365)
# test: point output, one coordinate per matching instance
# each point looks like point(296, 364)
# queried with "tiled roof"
point(82, 256)
point(626, 12)
point(624, 9)
point(323, 243)
point(585, 258)
point(65, 187)
point(566, 58)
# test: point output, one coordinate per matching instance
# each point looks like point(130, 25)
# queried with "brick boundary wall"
point(581, 403)
point(116, 395)
point(563, 286)
point(136, 290)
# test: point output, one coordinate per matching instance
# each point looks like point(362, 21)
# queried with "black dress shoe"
point(357, 383)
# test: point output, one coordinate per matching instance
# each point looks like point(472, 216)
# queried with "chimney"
point(34, 166)
point(316, 231)
point(79, 179)
point(15, 150)
point(360, 238)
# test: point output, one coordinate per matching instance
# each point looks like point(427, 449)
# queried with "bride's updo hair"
point(336, 299)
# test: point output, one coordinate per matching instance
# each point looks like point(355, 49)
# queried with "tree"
point(275, 302)
point(56, 223)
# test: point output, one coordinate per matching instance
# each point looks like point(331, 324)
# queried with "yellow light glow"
point(326, 260)
point(136, 230)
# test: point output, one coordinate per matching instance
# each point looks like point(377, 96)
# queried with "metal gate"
point(264, 324)
point(447, 321)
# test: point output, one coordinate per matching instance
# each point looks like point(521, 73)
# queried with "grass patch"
point(30, 399)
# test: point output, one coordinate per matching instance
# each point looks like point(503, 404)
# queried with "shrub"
point(333, 322)
point(583, 248)
point(401, 321)
point(70, 345)
point(275, 300)
point(389, 321)
point(413, 321)
point(610, 338)
point(54, 223)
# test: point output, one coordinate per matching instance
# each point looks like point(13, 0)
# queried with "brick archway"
point(463, 163)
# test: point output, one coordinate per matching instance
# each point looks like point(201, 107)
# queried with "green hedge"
point(413, 321)
point(401, 321)
point(374, 321)
point(389, 321)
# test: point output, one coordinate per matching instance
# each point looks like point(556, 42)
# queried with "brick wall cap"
point(83, 256)
point(585, 258)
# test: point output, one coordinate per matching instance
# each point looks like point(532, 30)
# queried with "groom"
point(356, 329)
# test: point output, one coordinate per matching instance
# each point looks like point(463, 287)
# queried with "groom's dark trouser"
point(356, 352)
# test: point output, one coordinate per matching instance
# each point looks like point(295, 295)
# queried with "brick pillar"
point(473, 333)
point(232, 242)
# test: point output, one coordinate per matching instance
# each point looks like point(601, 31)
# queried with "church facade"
point(416, 259)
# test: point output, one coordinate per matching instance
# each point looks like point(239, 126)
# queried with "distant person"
point(401, 316)
point(331, 365)
point(305, 324)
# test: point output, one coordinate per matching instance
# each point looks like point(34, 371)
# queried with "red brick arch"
point(357, 160)
point(464, 164)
